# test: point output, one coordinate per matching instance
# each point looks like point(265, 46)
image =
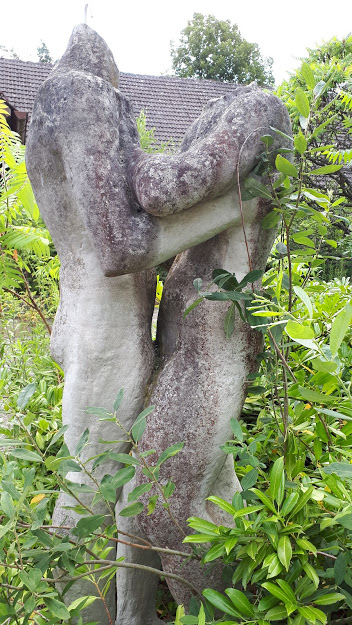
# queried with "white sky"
point(139, 31)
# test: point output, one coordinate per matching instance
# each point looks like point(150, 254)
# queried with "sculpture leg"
point(101, 352)
point(201, 386)
point(136, 589)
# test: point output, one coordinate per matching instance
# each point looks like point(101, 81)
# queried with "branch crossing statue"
point(114, 213)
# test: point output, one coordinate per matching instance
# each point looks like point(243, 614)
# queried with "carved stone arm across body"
point(94, 135)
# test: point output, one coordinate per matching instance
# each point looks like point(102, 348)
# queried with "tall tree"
point(8, 53)
point(215, 49)
point(44, 54)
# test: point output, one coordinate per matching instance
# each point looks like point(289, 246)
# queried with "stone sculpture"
point(114, 213)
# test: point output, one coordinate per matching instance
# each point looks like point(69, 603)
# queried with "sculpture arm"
point(224, 138)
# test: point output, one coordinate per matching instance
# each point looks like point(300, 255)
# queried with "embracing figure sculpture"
point(114, 213)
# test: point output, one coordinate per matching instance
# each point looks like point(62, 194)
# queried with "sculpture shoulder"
point(71, 96)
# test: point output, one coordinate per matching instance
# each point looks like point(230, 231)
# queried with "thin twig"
point(124, 565)
point(328, 555)
point(282, 358)
point(150, 548)
point(34, 303)
point(103, 600)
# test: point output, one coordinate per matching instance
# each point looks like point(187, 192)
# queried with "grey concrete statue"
point(115, 212)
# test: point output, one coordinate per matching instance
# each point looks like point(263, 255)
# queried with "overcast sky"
point(139, 32)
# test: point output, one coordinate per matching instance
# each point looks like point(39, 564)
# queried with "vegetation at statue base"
point(286, 550)
point(215, 49)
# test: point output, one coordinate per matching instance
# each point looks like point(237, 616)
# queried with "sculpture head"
point(87, 52)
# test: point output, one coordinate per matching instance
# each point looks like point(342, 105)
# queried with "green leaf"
point(58, 435)
point(240, 602)
point(221, 503)
point(277, 480)
point(303, 240)
point(277, 592)
point(140, 424)
point(265, 499)
point(310, 572)
point(342, 469)
point(200, 525)
point(327, 169)
point(81, 602)
point(312, 614)
point(251, 277)
point(236, 429)
point(247, 510)
point(329, 599)
point(7, 506)
point(192, 306)
point(300, 143)
point(278, 613)
point(267, 140)
point(25, 395)
point(187, 620)
point(289, 503)
point(229, 321)
point(107, 489)
point(257, 188)
point(201, 615)
point(26, 454)
point(118, 400)
point(133, 509)
point(326, 366)
point(123, 476)
point(82, 442)
point(284, 551)
point(302, 102)
point(139, 490)
point(88, 525)
point(303, 498)
point(319, 88)
point(124, 458)
point(270, 220)
point(201, 538)
point(307, 75)
point(220, 602)
point(287, 590)
point(340, 567)
point(285, 166)
point(31, 578)
point(339, 328)
point(345, 520)
point(215, 552)
point(249, 479)
point(57, 608)
point(305, 299)
point(169, 453)
point(152, 503)
point(315, 396)
point(298, 331)
point(306, 545)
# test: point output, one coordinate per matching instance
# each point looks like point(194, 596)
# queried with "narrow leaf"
point(339, 328)
point(302, 102)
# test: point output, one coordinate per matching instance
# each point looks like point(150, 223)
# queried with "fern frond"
point(346, 99)
point(10, 274)
point(35, 240)
point(347, 124)
point(343, 157)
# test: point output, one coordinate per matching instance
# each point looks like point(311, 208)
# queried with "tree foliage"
point(214, 49)
point(43, 53)
point(325, 77)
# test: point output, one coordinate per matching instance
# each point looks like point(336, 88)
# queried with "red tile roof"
point(170, 103)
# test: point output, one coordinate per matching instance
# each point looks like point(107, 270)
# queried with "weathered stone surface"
point(113, 210)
